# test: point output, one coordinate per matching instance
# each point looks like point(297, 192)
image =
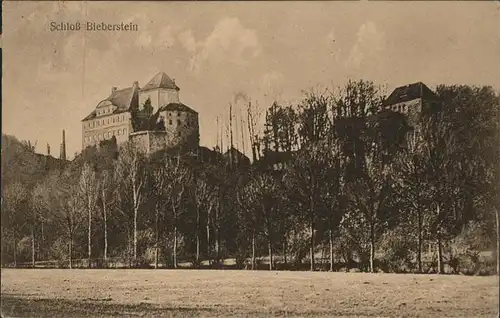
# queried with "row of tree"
point(338, 170)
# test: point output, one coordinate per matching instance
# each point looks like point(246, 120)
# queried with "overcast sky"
point(214, 50)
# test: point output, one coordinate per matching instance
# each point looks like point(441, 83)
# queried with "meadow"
point(237, 293)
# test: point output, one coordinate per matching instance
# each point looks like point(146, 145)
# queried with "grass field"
point(207, 293)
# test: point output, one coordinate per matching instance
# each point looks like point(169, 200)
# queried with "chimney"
point(136, 84)
point(113, 89)
point(48, 149)
point(62, 155)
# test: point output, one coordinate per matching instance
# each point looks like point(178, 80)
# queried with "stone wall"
point(149, 141)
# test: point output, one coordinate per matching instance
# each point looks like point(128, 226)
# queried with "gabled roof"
point(177, 107)
point(410, 92)
point(160, 80)
point(123, 100)
point(237, 155)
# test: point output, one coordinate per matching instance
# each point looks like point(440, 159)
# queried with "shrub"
point(396, 251)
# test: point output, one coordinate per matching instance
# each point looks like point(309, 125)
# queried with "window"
point(108, 121)
point(179, 134)
point(124, 131)
point(169, 113)
point(178, 122)
point(178, 114)
point(123, 117)
point(170, 121)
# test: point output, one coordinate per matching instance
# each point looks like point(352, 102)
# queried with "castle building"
point(167, 122)
point(412, 100)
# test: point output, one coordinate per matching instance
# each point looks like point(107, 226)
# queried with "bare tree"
point(14, 208)
point(263, 191)
point(202, 194)
point(89, 190)
point(132, 173)
point(106, 183)
point(177, 178)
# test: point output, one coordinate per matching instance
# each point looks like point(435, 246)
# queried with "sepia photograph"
point(250, 159)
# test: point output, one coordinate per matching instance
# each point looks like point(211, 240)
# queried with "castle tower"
point(63, 146)
point(161, 90)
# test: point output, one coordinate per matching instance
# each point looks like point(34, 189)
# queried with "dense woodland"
point(336, 182)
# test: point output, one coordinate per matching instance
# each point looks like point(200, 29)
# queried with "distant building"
point(170, 123)
point(236, 158)
point(412, 100)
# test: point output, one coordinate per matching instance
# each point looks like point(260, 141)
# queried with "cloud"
point(187, 40)
point(148, 39)
point(271, 80)
point(229, 42)
point(370, 43)
point(149, 36)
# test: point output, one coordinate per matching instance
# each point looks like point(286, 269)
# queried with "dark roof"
point(123, 99)
point(237, 155)
point(160, 80)
point(410, 92)
point(177, 107)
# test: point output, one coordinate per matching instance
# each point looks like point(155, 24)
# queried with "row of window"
point(188, 122)
point(101, 122)
point(104, 111)
point(108, 135)
point(400, 108)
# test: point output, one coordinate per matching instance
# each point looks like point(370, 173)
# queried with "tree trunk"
point(129, 246)
point(497, 216)
point(372, 247)
point(311, 220)
point(331, 250)
point(270, 247)
point(217, 230)
point(15, 252)
point(33, 246)
point(70, 251)
point(440, 253)
point(89, 238)
point(311, 249)
point(209, 252)
point(41, 243)
point(217, 244)
point(156, 238)
point(419, 247)
point(253, 250)
point(197, 236)
point(135, 232)
point(175, 246)
point(105, 216)
point(284, 252)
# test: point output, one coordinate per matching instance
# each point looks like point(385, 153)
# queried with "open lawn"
point(209, 293)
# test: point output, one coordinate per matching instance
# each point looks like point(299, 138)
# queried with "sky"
point(217, 51)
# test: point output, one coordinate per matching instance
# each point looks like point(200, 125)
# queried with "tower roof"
point(160, 80)
point(178, 107)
